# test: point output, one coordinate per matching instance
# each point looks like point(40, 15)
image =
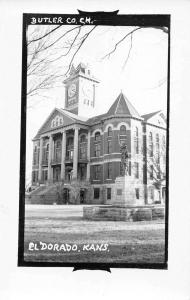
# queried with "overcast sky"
point(143, 80)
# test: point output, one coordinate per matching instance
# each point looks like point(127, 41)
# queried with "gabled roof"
point(123, 106)
point(73, 116)
point(96, 119)
point(69, 118)
point(146, 117)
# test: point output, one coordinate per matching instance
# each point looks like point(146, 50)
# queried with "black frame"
point(98, 18)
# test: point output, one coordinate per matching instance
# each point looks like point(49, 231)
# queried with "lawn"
point(50, 232)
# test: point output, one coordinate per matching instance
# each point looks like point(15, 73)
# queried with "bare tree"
point(75, 187)
point(156, 166)
point(60, 186)
point(52, 51)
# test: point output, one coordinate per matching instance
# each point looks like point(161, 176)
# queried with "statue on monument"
point(124, 159)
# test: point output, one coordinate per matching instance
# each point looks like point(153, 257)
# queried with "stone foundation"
point(123, 213)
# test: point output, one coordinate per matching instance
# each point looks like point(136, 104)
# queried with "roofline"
point(153, 114)
point(146, 123)
point(83, 76)
point(116, 116)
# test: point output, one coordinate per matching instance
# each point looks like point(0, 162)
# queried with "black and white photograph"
point(94, 152)
point(94, 179)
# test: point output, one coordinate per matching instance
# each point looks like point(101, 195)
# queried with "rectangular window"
point(97, 148)
point(129, 170)
point(151, 191)
point(44, 175)
point(97, 172)
point(136, 167)
point(36, 156)
point(96, 193)
point(109, 170)
point(83, 152)
point(137, 193)
point(82, 171)
point(136, 145)
point(108, 193)
point(120, 169)
point(151, 172)
point(109, 147)
point(34, 176)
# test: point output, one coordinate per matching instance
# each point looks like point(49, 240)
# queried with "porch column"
point(88, 158)
point(40, 160)
point(75, 156)
point(50, 157)
point(63, 153)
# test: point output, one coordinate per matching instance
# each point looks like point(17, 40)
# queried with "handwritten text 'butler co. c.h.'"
point(61, 20)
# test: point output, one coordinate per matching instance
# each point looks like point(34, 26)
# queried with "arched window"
point(97, 145)
point(70, 141)
point(123, 134)
point(150, 144)
point(136, 140)
point(57, 150)
point(83, 147)
point(36, 155)
point(69, 150)
point(157, 142)
point(60, 121)
point(157, 148)
point(97, 136)
point(46, 153)
point(109, 131)
point(109, 140)
point(57, 121)
point(123, 130)
point(83, 138)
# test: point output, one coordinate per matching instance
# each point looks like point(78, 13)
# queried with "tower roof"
point(123, 106)
point(81, 70)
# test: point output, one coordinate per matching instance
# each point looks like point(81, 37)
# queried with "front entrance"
point(66, 196)
point(68, 173)
point(82, 196)
point(57, 174)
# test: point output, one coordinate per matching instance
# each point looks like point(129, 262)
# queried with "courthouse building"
point(74, 145)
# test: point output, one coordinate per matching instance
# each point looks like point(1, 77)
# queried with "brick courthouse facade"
point(73, 145)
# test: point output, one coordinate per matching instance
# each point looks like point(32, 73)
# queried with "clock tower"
point(80, 91)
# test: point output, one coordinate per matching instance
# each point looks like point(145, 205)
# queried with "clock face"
point(72, 90)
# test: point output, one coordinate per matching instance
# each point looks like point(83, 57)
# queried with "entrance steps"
point(43, 195)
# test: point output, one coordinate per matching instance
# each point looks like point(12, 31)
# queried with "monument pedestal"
point(125, 191)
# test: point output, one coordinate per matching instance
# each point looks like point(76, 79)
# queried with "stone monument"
point(124, 184)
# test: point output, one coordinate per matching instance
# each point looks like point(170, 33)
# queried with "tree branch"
point(120, 41)
point(43, 36)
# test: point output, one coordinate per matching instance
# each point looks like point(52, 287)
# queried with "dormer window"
point(57, 121)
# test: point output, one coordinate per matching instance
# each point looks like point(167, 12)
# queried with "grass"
point(128, 242)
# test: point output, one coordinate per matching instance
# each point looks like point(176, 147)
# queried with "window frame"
point(96, 193)
point(136, 173)
point(109, 192)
